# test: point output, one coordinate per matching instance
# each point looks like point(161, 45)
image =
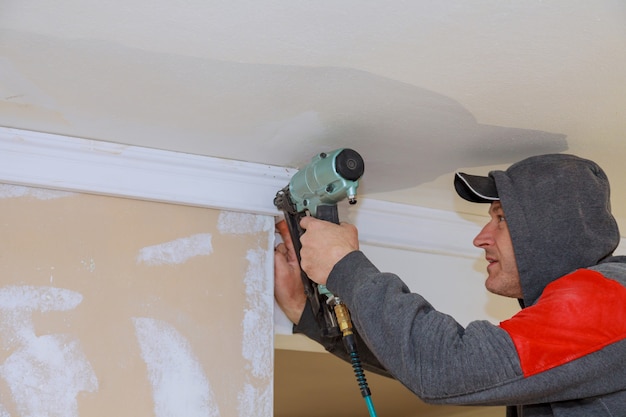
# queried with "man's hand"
point(288, 286)
point(323, 245)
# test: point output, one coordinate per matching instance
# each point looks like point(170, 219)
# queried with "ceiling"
point(419, 88)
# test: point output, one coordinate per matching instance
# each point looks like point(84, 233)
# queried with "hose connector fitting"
point(343, 319)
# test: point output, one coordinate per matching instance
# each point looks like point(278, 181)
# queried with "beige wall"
point(121, 307)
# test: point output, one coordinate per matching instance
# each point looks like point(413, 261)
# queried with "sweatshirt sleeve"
point(308, 326)
point(440, 360)
point(426, 350)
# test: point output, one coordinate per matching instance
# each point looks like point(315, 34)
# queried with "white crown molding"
point(73, 164)
point(416, 228)
point(66, 163)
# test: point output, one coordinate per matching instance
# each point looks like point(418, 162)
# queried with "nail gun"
point(316, 189)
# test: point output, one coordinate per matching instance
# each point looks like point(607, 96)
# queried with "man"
point(549, 243)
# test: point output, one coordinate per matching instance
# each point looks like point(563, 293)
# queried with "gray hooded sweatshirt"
point(563, 354)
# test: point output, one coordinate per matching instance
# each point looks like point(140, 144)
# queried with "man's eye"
point(501, 219)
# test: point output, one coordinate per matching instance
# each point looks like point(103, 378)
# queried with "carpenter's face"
point(495, 239)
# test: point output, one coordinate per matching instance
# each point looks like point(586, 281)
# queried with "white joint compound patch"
point(257, 347)
point(29, 298)
point(255, 397)
point(230, 222)
point(258, 315)
point(45, 373)
point(176, 251)
point(179, 385)
point(253, 401)
point(14, 191)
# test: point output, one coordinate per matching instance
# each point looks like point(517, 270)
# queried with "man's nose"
point(483, 238)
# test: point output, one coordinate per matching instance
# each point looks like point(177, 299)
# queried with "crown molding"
point(414, 228)
point(82, 165)
point(50, 161)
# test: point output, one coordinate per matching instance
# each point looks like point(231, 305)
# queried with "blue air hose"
point(350, 344)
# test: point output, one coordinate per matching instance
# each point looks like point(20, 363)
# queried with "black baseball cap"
point(475, 188)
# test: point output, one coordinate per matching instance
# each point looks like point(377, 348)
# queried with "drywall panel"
point(113, 306)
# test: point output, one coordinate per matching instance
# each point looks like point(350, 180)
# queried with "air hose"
point(349, 341)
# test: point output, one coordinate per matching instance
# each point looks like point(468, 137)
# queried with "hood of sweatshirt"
point(558, 211)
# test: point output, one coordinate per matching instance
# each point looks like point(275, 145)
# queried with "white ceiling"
point(419, 88)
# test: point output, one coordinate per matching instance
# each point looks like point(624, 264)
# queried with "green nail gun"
point(315, 190)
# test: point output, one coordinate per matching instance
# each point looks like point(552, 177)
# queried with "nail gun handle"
point(328, 213)
point(321, 310)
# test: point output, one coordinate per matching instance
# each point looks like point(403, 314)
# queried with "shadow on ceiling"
point(270, 114)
